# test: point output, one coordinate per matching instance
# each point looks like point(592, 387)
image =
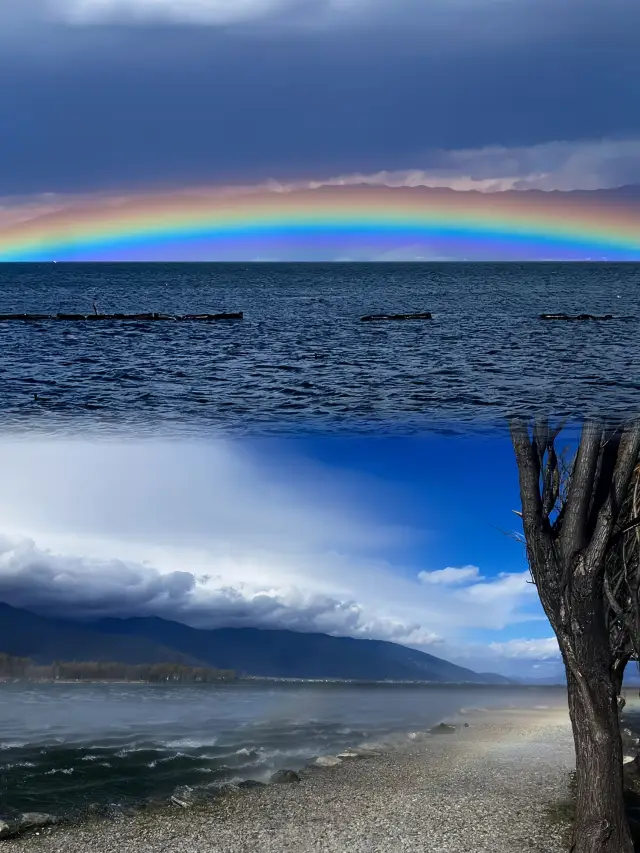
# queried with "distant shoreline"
point(248, 679)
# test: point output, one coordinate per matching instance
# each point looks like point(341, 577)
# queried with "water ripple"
point(301, 360)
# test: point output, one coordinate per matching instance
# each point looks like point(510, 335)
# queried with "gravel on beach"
point(485, 788)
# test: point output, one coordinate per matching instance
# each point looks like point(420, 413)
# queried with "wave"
point(190, 743)
point(68, 776)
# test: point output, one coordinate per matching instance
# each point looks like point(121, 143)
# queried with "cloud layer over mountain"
point(221, 535)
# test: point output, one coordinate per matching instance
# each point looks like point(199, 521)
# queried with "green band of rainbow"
point(528, 225)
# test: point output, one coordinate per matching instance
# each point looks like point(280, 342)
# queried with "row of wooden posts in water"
point(239, 315)
point(146, 317)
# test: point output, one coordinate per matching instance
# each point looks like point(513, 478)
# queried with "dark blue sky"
point(311, 89)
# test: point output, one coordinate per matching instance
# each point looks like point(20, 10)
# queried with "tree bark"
point(601, 825)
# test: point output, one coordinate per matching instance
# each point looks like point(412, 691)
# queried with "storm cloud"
point(101, 94)
point(87, 589)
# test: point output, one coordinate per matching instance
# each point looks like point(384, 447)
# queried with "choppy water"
point(64, 748)
point(302, 360)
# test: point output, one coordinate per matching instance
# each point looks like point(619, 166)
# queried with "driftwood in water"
point(139, 317)
point(424, 316)
point(576, 317)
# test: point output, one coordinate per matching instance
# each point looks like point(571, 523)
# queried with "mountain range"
point(249, 651)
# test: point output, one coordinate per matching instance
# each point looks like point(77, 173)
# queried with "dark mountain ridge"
point(44, 640)
point(247, 651)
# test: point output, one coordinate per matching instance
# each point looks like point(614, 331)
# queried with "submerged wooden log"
point(25, 317)
point(233, 316)
point(426, 315)
point(238, 315)
point(576, 317)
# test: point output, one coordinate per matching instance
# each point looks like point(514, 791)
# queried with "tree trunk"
point(601, 825)
point(569, 533)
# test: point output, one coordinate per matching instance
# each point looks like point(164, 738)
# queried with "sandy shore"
point(481, 789)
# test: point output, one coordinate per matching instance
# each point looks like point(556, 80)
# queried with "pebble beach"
point(485, 787)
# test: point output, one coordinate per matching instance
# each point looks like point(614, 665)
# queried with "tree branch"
point(573, 537)
point(627, 459)
point(528, 472)
point(538, 534)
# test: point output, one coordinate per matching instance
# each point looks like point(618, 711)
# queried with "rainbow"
point(327, 223)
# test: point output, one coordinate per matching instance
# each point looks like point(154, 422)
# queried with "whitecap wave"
point(190, 743)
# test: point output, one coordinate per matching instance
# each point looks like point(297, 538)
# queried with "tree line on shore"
point(155, 673)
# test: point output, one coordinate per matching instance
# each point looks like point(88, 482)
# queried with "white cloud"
point(539, 650)
point(188, 11)
point(517, 657)
point(437, 178)
point(451, 576)
point(557, 165)
point(506, 587)
point(204, 12)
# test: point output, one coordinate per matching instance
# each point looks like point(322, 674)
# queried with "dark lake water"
point(66, 747)
point(301, 359)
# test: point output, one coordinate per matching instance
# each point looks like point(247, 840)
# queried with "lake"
point(66, 747)
point(302, 360)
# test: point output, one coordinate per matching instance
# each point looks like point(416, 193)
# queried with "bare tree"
point(571, 523)
point(622, 584)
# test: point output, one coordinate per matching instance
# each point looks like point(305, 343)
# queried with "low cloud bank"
point(86, 589)
point(563, 165)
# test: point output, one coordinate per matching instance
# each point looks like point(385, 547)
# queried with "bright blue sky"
point(458, 490)
point(395, 538)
